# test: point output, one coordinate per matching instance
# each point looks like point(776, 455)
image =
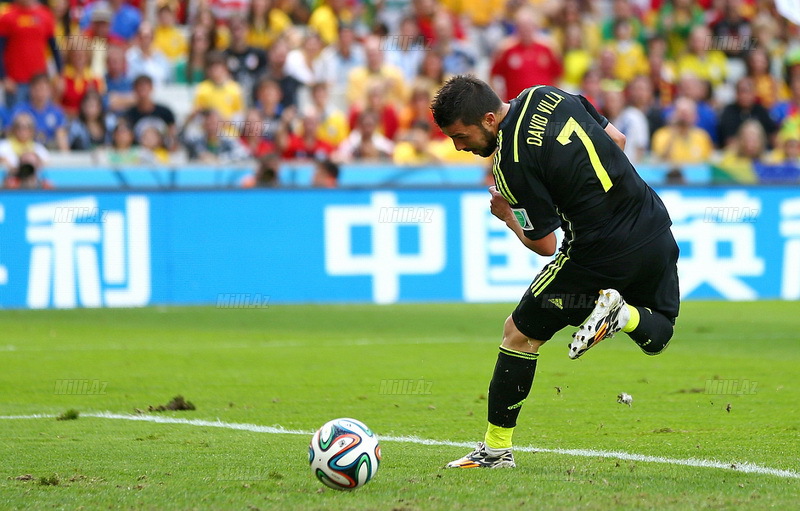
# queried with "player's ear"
point(489, 119)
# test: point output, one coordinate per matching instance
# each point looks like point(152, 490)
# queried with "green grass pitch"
point(725, 390)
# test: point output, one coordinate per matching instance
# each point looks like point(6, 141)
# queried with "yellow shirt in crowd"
point(226, 98)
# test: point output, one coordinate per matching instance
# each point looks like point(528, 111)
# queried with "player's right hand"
point(499, 206)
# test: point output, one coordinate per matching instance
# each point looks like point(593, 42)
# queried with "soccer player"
point(559, 163)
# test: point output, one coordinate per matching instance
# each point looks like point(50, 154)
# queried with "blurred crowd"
point(341, 81)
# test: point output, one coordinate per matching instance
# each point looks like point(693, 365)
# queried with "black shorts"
point(564, 292)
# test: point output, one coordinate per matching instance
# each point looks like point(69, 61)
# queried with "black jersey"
point(557, 167)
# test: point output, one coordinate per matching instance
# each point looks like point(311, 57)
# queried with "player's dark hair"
point(464, 98)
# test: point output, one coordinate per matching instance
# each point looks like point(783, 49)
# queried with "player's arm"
point(500, 208)
point(616, 135)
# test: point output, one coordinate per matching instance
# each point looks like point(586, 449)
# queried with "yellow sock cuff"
point(633, 322)
point(497, 437)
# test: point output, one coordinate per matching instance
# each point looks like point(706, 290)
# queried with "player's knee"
point(513, 339)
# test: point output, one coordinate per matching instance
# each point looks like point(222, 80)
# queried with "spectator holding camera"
point(22, 155)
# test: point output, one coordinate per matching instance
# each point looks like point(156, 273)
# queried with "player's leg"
point(545, 309)
point(654, 298)
point(508, 389)
point(652, 295)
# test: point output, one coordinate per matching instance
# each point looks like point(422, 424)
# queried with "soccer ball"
point(344, 454)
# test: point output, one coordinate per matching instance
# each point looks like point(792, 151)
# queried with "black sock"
point(510, 385)
point(653, 332)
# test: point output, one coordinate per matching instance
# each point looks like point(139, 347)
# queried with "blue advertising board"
point(251, 247)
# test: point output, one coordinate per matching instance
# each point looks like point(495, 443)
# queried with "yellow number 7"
point(563, 137)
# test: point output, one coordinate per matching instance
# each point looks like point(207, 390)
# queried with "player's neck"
point(501, 114)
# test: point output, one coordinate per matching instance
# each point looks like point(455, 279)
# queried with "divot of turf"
point(177, 403)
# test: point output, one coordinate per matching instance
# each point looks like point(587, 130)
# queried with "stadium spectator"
point(19, 143)
point(527, 60)
point(327, 17)
point(266, 174)
point(418, 110)
point(276, 70)
point(732, 30)
point(303, 63)
point(119, 87)
point(787, 151)
point(90, 129)
point(631, 60)
point(145, 59)
point(26, 175)
point(326, 174)
point(65, 24)
point(662, 71)
point(211, 145)
point(167, 37)
point(681, 141)
point(252, 135)
point(375, 71)
point(333, 126)
point(246, 64)
point(218, 34)
point(707, 64)
point(100, 38)
point(623, 10)
point(376, 101)
point(27, 33)
point(123, 152)
point(791, 107)
point(627, 119)
point(767, 34)
point(150, 134)
point(77, 80)
point(431, 73)
point(218, 91)
point(364, 142)
point(297, 11)
point(267, 23)
point(49, 118)
point(337, 61)
point(457, 56)
point(739, 158)
point(769, 89)
point(406, 49)
point(675, 20)
point(306, 144)
point(576, 13)
point(415, 149)
point(424, 13)
point(577, 59)
point(591, 87)
point(191, 69)
point(125, 18)
point(698, 90)
point(675, 177)
point(744, 108)
point(145, 108)
point(271, 110)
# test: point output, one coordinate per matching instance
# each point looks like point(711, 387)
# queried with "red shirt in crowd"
point(27, 30)
point(297, 147)
point(388, 121)
point(76, 85)
point(522, 66)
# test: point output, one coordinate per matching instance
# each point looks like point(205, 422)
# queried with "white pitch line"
point(747, 468)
